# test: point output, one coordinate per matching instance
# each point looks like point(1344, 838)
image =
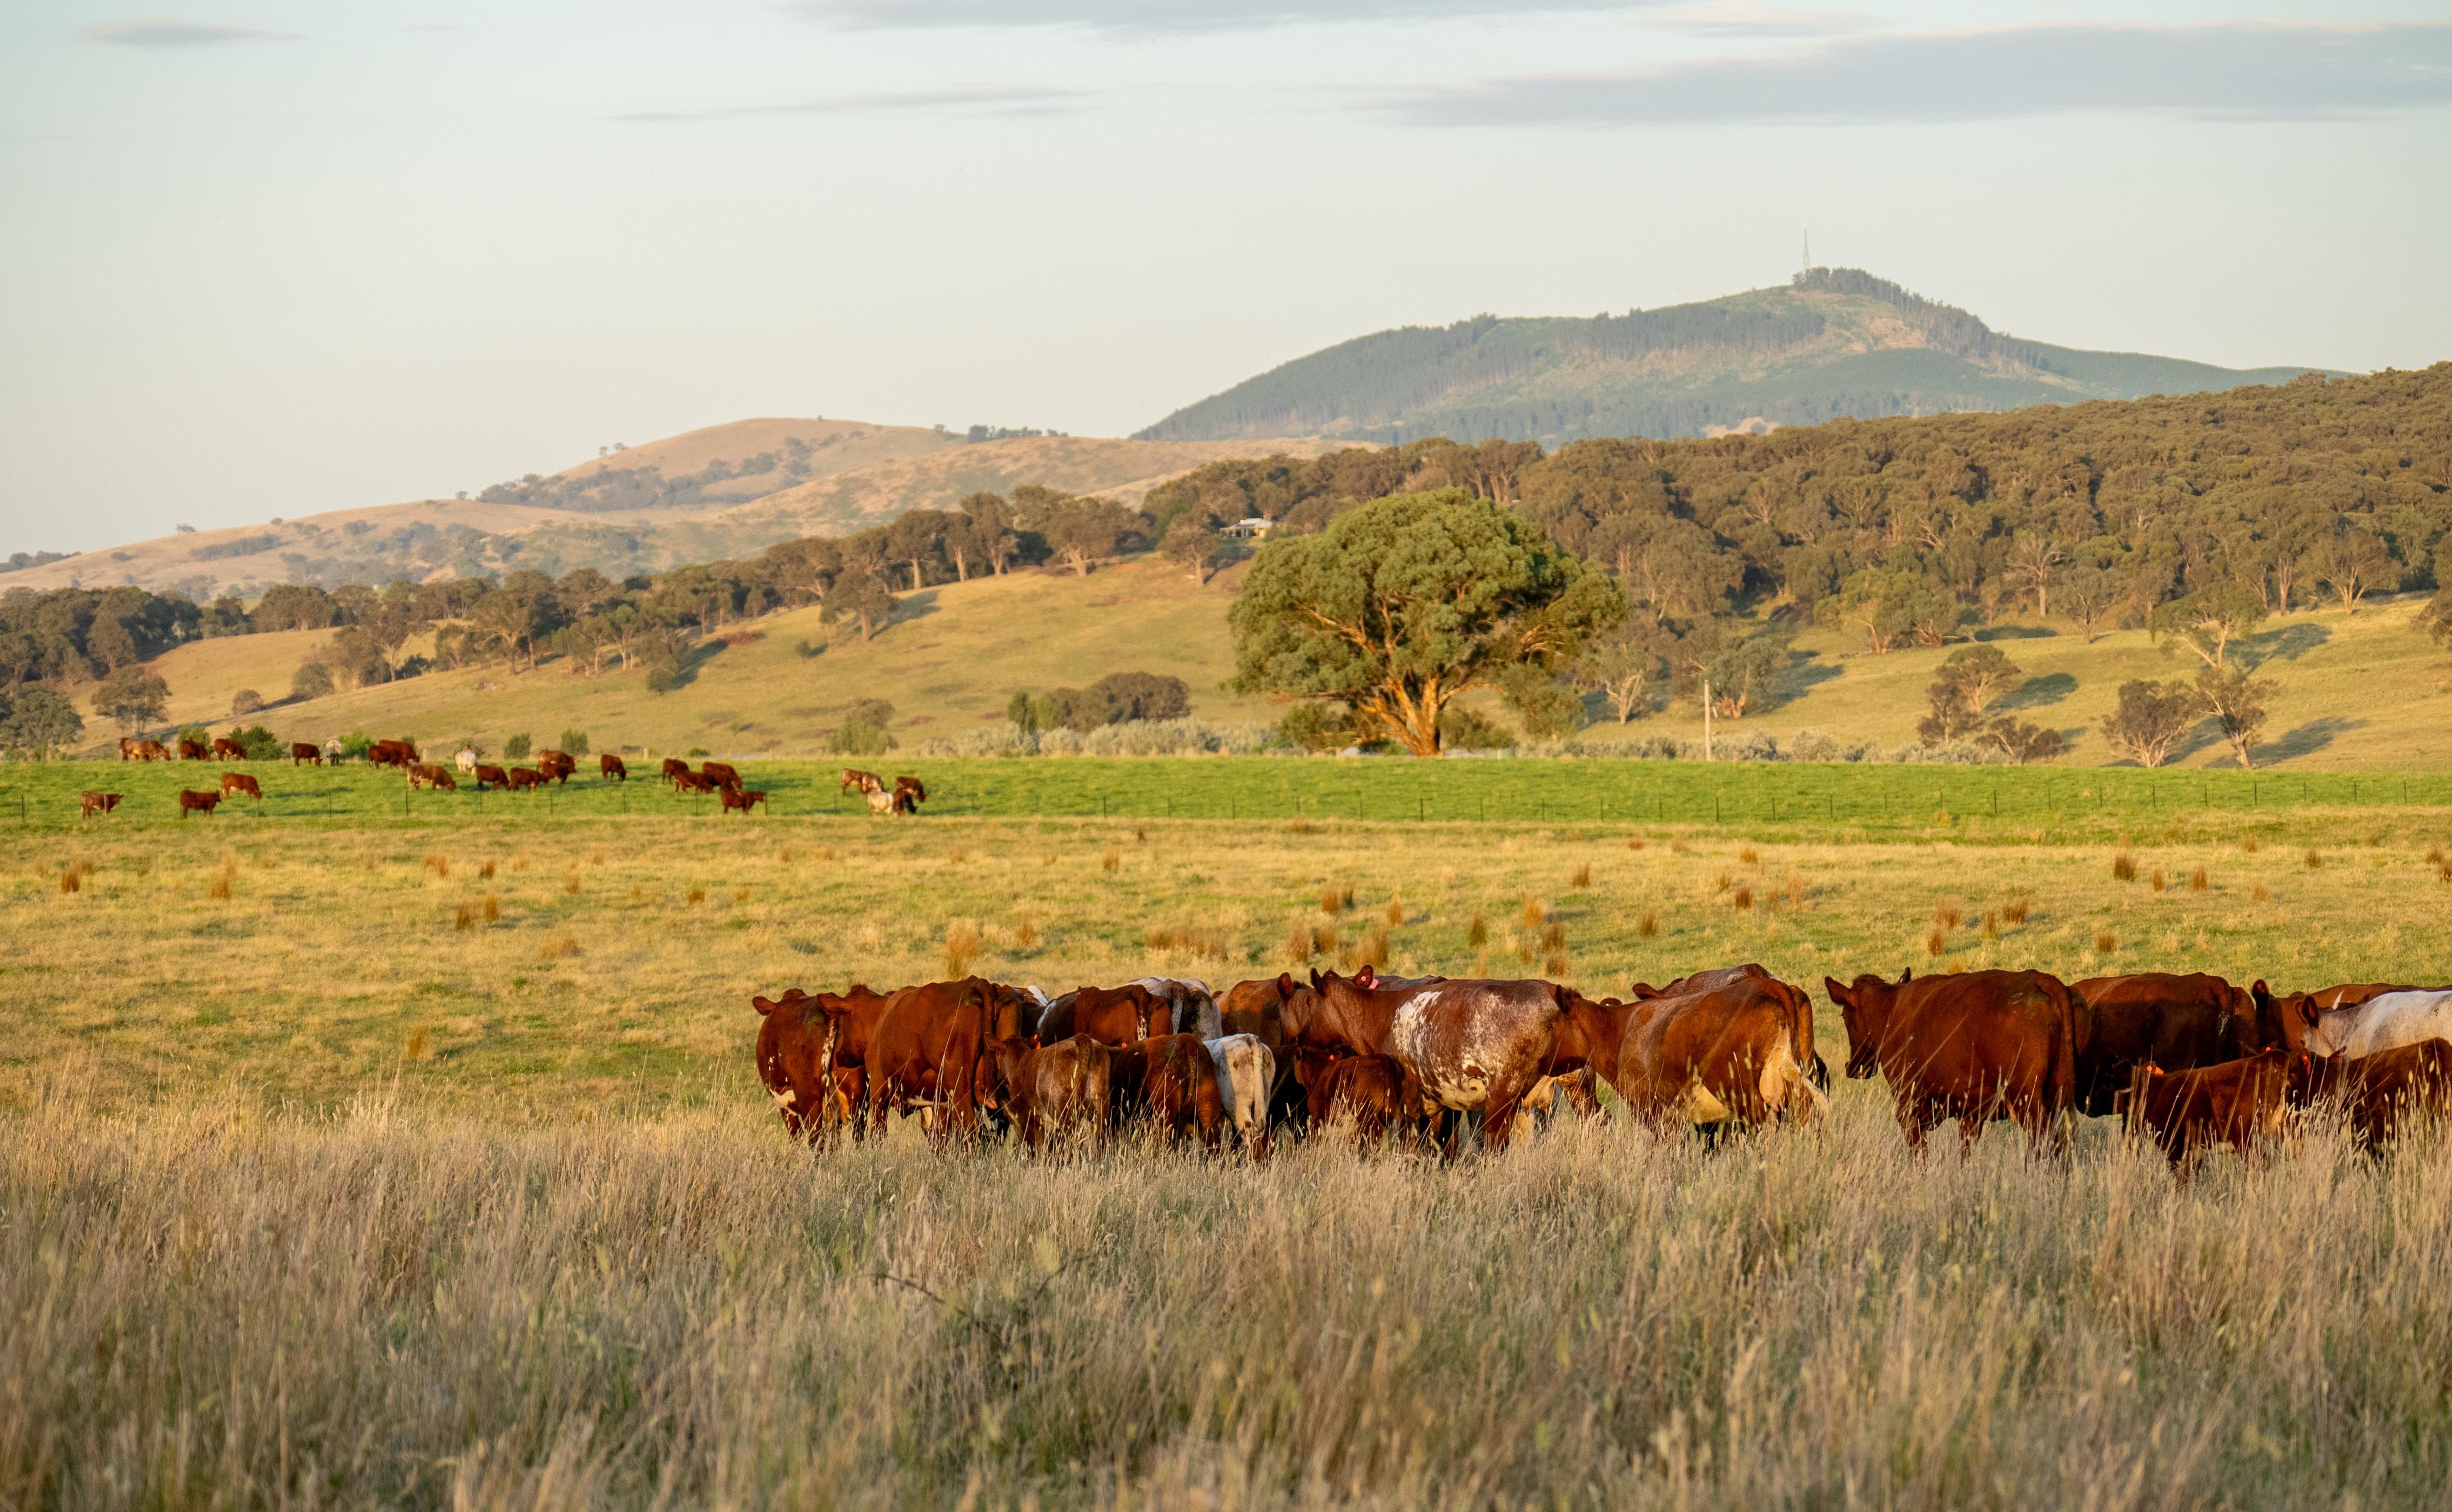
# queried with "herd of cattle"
point(2191, 1062)
point(551, 767)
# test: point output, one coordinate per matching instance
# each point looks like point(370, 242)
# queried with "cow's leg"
point(1916, 1120)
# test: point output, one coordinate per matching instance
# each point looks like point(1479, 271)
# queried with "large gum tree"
point(1406, 602)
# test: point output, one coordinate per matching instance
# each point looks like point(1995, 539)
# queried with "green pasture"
point(1970, 802)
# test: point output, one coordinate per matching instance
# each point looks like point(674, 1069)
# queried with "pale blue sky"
point(265, 257)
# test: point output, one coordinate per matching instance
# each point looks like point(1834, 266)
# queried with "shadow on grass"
point(2315, 736)
point(2037, 692)
point(2017, 633)
point(2288, 643)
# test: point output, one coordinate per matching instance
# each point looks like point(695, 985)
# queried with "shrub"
point(1316, 727)
point(1461, 729)
point(246, 700)
point(516, 747)
point(260, 743)
point(663, 681)
point(311, 681)
point(858, 738)
point(574, 742)
point(695, 751)
point(356, 744)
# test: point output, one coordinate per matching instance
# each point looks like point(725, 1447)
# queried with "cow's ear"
point(763, 1006)
point(1314, 979)
point(1906, 976)
point(1837, 993)
point(1366, 978)
point(1285, 984)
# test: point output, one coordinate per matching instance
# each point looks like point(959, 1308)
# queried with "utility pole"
point(1707, 718)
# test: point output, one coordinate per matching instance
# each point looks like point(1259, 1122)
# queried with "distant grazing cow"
point(675, 769)
point(743, 799)
point(693, 783)
point(1247, 1075)
point(1471, 1046)
point(2383, 1023)
point(202, 803)
point(910, 789)
point(191, 749)
point(880, 801)
point(718, 773)
point(609, 769)
point(303, 751)
point(1053, 1088)
point(127, 748)
point(491, 776)
point(2237, 1105)
point(558, 765)
point(392, 753)
point(147, 751)
point(1976, 1047)
point(92, 803)
point(2178, 1023)
point(2378, 1091)
point(524, 777)
point(855, 779)
point(225, 749)
point(241, 782)
point(465, 760)
point(1119, 1015)
point(425, 775)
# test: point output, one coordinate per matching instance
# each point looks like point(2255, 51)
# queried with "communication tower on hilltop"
point(1809, 253)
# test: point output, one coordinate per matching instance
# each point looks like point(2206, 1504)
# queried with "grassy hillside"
point(833, 446)
point(1841, 343)
point(2358, 693)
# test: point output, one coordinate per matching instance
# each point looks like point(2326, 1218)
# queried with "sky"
point(263, 259)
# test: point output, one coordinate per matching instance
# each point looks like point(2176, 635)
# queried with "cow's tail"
point(1801, 1017)
point(2060, 1111)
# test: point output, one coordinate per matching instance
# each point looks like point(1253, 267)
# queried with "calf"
point(854, 779)
point(190, 802)
point(609, 769)
point(225, 749)
point(1369, 1089)
point(2237, 1105)
point(191, 751)
point(301, 751)
point(494, 776)
point(2377, 1091)
point(675, 769)
point(1052, 1088)
point(91, 803)
point(524, 777)
point(693, 783)
point(718, 773)
point(744, 800)
point(1246, 1074)
point(880, 801)
point(910, 790)
point(1172, 1079)
point(424, 775)
point(241, 782)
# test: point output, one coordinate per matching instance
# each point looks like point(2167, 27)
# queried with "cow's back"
point(2383, 1023)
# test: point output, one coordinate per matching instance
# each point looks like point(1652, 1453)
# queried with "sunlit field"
point(354, 1160)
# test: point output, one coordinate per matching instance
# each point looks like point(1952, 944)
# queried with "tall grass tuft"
point(1582, 879)
point(1936, 941)
point(1743, 899)
point(1331, 901)
point(2123, 868)
point(1296, 949)
point(1636, 843)
point(1395, 911)
point(2159, 883)
point(2105, 942)
point(1478, 933)
point(485, 869)
point(1110, 860)
point(440, 866)
point(2314, 858)
point(1025, 934)
point(1749, 856)
point(465, 918)
point(1555, 938)
point(1535, 911)
point(2013, 909)
point(697, 895)
point(1796, 889)
point(2199, 881)
point(962, 947)
point(493, 909)
point(1947, 914)
point(2259, 895)
point(70, 880)
point(222, 880)
point(1647, 926)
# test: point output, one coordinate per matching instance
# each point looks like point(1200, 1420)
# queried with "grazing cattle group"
point(2191, 1064)
point(903, 797)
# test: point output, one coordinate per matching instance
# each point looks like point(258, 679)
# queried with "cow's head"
point(1865, 1009)
point(794, 1042)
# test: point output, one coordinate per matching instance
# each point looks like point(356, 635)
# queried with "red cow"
point(127, 748)
point(718, 773)
point(1981, 1046)
point(391, 753)
point(609, 769)
point(524, 778)
point(2178, 1023)
point(191, 749)
point(423, 775)
point(2240, 1104)
point(225, 749)
point(1172, 1079)
point(811, 1051)
point(675, 769)
point(743, 799)
point(557, 765)
point(190, 802)
point(1741, 1051)
point(92, 803)
point(149, 750)
point(2378, 1091)
point(854, 779)
point(926, 1052)
point(491, 776)
point(1471, 1044)
point(1369, 1089)
point(911, 794)
point(692, 783)
point(1111, 1015)
point(241, 782)
point(301, 751)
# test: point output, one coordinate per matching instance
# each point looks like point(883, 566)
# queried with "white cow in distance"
point(2383, 1023)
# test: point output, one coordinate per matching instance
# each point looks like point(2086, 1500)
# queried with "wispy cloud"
point(1751, 18)
point(2242, 71)
point(1178, 15)
point(985, 100)
point(168, 32)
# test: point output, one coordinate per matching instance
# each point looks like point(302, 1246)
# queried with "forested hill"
point(1836, 342)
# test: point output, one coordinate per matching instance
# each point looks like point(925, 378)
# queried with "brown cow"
point(190, 802)
point(718, 773)
point(823, 1079)
point(1369, 1089)
point(225, 749)
point(910, 790)
point(675, 769)
point(303, 751)
point(1111, 1015)
point(424, 775)
point(557, 765)
point(148, 751)
point(524, 777)
point(692, 783)
point(1740, 1051)
point(127, 748)
point(926, 1052)
point(191, 749)
point(743, 799)
point(493, 777)
point(1472, 1046)
point(2377, 1091)
point(854, 779)
point(2238, 1104)
point(392, 753)
point(1976, 1047)
point(241, 782)
point(609, 769)
point(2178, 1023)
point(92, 803)
point(1172, 1078)
point(1054, 1088)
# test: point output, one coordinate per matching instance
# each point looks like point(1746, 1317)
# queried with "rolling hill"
point(1835, 343)
point(2355, 689)
point(842, 475)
